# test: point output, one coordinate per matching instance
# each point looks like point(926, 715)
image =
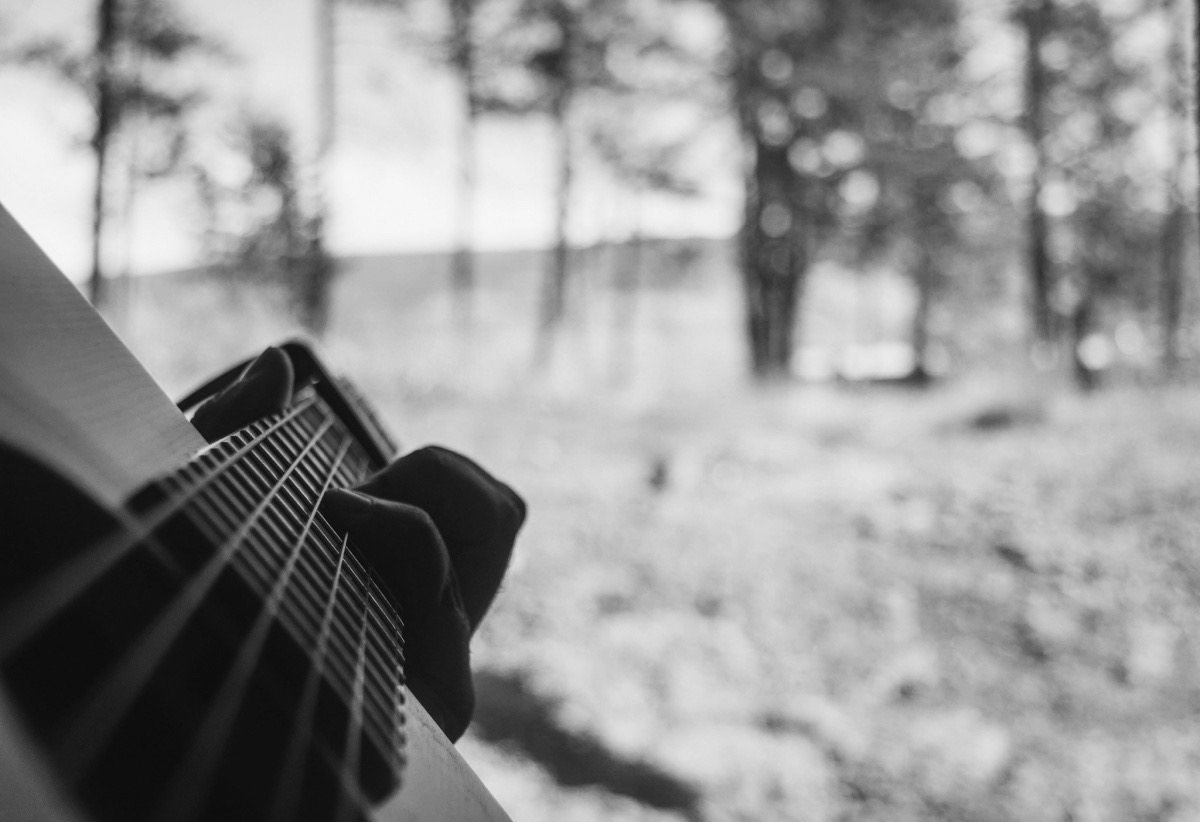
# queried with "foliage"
point(151, 83)
point(259, 227)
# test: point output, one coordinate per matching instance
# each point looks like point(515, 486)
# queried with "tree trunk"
point(1171, 296)
point(924, 278)
point(554, 287)
point(106, 118)
point(1196, 75)
point(1086, 377)
point(317, 268)
point(1037, 18)
point(462, 272)
point(1171, 292)
point(775, 259)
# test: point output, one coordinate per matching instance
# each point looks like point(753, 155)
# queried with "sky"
point(393, 166)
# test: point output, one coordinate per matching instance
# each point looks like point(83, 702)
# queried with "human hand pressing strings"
point(437, 529)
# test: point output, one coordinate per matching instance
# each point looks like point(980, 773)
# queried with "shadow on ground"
point(509, 713)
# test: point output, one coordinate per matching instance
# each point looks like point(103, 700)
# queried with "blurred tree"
point(1037, 19)
point(1171, 293)
point(317, 270)
point(548, 57)
point(643, 130)
point(461, 44)
point(833, 100)
point(1105, 236)
point(1196, 83)
point(766, 39)
point(126, 78)
point(462, 48)
point(910, 197)
point(260, 228)
point(642, 167)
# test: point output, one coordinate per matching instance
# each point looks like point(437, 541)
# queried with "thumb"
point(263, 389)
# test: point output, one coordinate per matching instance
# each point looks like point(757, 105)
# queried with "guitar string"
point(352, 746)
point(391, 655)
point(90, 727)
point(295, 509)
point(394, 663)
point(69, 583)
point(382, 611)
point(386, 656)
point(331, 537)
point(182, 797)
point(287, 787)
point(208, 510)
point(30, 611)
point(387, 660)
point(396, 720)
point(267, 570)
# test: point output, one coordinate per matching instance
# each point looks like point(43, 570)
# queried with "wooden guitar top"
point(71, 393)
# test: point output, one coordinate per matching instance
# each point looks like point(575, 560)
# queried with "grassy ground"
point(977, 602)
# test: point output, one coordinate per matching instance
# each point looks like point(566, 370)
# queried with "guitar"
point(182, 635)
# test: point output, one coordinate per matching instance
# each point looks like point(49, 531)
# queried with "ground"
point(980, 601)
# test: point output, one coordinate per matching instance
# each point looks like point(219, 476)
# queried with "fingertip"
point(271, 371)
point(345, 506)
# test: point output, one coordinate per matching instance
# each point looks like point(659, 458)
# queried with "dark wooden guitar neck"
point(218, 652)
point(182, 636)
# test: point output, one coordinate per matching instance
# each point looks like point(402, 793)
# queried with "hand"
point(436, 528)
point(439, 531)
point(263, 389)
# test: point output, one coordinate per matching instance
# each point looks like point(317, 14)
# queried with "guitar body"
point(182, 636)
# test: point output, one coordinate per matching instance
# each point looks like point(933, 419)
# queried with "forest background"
point(845, 350)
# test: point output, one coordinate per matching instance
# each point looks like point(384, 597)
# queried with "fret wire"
point(306, 588)
point(389, 611)
point(32, 610)
point(395, 672)
point(320, 529)
point(287, 787)
point(91, 726)
point(193, 776)
point(254, 474)
point(267, 569)
point(377, 705)
point(348, 637)
point(281, 497)
point(326, 533)
point(352, 747)
point(376, 701)
point(340, 650)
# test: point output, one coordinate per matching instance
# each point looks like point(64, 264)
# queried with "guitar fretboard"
point(229, 652)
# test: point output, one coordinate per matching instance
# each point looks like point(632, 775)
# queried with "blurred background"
point(846, 351)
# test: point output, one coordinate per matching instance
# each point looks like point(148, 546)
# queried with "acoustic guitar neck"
point(182, 635)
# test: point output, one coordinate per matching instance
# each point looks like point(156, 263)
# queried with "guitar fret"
point(91, 725)
point(345, 640)
point(358, 572)
point(249, 582)
point(265, 576)
point(389, 657)
point(287, 788)
point(351, 749)
point(193, 776)
point(31, 611)
point(383, 645)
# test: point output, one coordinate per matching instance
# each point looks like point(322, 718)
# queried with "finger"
point(401, 544)
point(263, 389)
point(477, 515)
